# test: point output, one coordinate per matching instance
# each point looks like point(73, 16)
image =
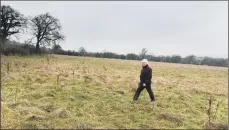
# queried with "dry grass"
point(81, 92)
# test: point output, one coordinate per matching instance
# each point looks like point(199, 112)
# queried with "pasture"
point(82, 92)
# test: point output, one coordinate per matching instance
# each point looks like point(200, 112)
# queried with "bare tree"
point(56, 47)
point(46, 29)
point(82, 51)
point(143, 53)
point(12, 23)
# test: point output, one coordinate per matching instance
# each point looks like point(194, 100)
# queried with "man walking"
point(145, 82)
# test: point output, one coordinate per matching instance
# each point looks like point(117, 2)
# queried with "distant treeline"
point(14, 48)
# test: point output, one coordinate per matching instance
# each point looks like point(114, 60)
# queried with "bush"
point(14, 48)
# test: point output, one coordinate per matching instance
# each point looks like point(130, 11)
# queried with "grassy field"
point(81, 92)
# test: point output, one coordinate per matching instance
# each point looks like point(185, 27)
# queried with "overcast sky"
point(164, 28)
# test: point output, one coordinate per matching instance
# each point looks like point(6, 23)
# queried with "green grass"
point(100, 93)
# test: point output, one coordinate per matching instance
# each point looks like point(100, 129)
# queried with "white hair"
point(145, 61)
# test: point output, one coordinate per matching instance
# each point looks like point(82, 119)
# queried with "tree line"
point(14, 48)
point(46, 30)
point(191, 59)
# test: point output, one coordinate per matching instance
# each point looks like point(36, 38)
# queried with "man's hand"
point(144, 84)
point(147, 81)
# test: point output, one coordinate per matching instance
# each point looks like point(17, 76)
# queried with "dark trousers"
point(139, 90)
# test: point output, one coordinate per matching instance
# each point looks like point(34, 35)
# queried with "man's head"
point(144, 62)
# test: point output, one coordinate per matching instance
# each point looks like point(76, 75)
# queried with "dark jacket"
point(146, 75)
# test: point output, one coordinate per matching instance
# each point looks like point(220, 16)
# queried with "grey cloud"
point(175, 27)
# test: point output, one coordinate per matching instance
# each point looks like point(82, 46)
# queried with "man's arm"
point(149, 76)
point(140, 77)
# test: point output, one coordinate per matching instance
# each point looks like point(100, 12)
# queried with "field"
point(80, 92)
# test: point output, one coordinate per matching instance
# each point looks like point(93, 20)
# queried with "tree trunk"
point(2, 46)
point(37, 48)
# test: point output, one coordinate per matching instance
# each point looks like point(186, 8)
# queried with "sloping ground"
point(81, 92)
